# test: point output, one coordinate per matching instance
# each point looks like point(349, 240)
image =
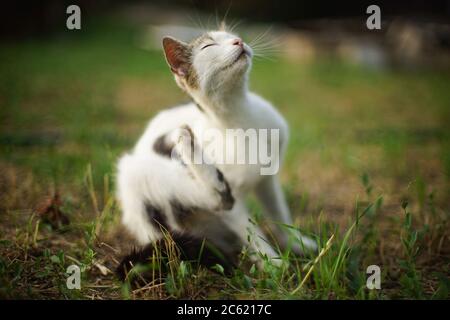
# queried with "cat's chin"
point(242, 60)
point(239, 67)
point(232, 74)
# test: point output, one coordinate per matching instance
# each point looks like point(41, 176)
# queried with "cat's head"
point(215, 60)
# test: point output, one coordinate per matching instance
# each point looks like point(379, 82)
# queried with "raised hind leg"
point(167, 186)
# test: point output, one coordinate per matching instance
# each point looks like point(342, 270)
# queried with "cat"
point(163, 192)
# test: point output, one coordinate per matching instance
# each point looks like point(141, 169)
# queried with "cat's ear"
point(177, 56)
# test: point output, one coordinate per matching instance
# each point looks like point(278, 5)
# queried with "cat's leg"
point(270, 194)
point(133, 201)
point(251, 236)
point(150, 188)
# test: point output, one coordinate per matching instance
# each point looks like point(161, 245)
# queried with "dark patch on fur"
point(227, 198)
point(162, 147)
point(196, 250)
point(192, 136)
point(135, 257)
point(157, 218)
point(199, 106)
point(220, 175)
point(180, 212)
point(191, 133)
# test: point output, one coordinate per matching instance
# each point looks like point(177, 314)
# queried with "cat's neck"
point(225, 108)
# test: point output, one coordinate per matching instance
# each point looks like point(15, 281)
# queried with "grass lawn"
point(368, 164)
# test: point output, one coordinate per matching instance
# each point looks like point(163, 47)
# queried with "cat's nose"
point(238, 42)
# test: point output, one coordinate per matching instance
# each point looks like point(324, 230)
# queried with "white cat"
point(160, 188)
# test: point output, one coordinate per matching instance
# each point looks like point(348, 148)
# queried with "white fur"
point(146, 176)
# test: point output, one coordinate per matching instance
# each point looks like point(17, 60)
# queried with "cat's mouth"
point(244, 53)
point(241, 56)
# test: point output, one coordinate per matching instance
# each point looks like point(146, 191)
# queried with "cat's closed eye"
point(208, 45)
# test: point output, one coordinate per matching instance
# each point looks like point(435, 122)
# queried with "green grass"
point(368, 167)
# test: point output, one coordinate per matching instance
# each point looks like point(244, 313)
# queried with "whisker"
point(271, 46)
point(224, 19)
point(265, 58)
point(234, 24)
point(197, 21)
point(262, 35)
point(216, 14)
point(268, 43)
point(267, 51)
point(265, 48)
point(210, 25)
